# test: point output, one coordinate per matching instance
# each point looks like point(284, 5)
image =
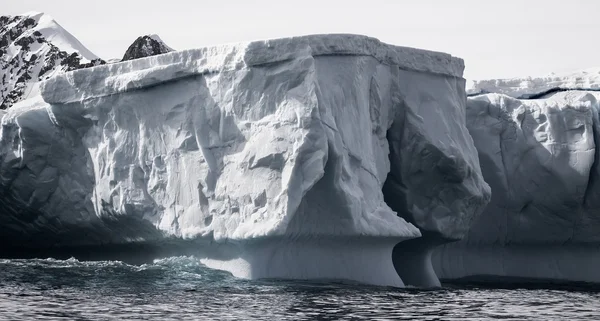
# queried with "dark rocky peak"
point(145, 46)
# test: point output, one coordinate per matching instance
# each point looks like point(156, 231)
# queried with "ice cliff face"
point(540, 158)
point(301, 158)
point(34, 47)
point(146, 46)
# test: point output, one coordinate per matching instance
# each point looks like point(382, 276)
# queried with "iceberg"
point(538, 87)
point(540, 157)
point(308, 158)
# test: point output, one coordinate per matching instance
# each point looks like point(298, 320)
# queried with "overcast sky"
point(497, 39)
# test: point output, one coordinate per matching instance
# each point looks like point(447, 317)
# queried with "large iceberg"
point(306, 157)
point(540, 157)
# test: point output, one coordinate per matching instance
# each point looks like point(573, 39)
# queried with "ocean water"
point(180, 288)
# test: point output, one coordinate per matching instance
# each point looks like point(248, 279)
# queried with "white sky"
point(497, 39)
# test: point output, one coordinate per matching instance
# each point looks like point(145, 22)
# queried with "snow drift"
point(298, 158)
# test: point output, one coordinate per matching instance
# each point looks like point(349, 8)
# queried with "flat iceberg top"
point(527, 87)
point(115, 78)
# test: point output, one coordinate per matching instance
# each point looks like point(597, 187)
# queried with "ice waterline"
point(181, 288)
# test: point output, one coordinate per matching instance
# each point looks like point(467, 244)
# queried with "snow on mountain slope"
point(34, 47)
point(533, 87)
point(276, 152)
point(146, 46)
point(540, 158)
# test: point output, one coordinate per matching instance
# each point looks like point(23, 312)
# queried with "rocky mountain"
point(33, 47)
point(145, 46)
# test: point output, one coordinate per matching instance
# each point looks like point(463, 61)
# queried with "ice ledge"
point(111, 79)
point(538, 87)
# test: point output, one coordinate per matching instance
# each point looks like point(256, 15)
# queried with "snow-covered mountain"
point(146, 46)
point(33, 47)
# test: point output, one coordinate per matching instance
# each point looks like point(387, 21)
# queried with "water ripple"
point(181, 288)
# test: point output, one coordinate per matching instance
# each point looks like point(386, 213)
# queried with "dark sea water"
point(180, 288)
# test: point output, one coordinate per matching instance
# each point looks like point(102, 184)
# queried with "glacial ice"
point(306, 157)
point(540, 158)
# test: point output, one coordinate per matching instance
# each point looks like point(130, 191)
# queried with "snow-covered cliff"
point(540, 157)
point(298, 158)
point(33, 47)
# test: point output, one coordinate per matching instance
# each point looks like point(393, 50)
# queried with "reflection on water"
point(181, 288)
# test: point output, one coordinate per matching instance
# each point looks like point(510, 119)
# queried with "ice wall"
point(277, 151)
point(540, 158)
point(537, 87)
